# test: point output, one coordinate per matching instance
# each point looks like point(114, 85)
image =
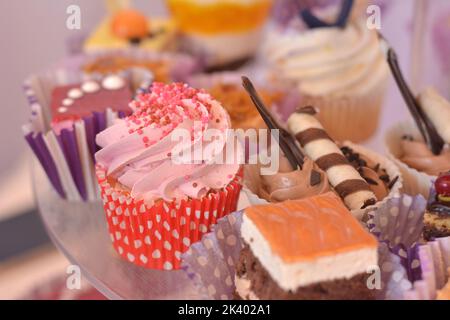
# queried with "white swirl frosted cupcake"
point(340, 71)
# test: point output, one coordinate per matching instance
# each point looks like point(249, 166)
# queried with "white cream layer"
point(290, 276)
point(327, 61)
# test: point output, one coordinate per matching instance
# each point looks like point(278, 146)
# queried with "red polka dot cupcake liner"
point(155, 236)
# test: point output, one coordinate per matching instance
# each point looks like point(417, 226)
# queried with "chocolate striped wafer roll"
point(317, 145)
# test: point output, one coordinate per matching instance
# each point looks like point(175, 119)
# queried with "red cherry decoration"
point(442, 185)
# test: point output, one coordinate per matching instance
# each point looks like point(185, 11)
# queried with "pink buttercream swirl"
point(137, 151)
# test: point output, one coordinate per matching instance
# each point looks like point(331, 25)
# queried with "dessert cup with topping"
point(406, 147)
point(157, 204)
point(340, 71)
point(126, 28)
point(381, 174)
point(224, 32)
point(226, 87)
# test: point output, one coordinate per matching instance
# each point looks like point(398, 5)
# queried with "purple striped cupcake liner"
point(211, 263)
point(399, 224)
point(67, 155)
point(434, 258)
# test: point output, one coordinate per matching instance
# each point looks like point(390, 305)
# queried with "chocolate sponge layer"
point(265, 288)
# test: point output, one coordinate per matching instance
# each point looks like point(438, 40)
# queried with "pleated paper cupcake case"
point(67, 157)
point(434, 259)
point(211, 263)
point(399, 224)
point(156, 236)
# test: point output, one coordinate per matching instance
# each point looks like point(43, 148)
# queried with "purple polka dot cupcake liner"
point(67, 154)
point(399, 225)
point(211, 263)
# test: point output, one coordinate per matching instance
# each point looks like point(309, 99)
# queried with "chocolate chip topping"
point(310, 135)
point(348, 187)
point(369, 202)
point(392, 183)
point(370, 181)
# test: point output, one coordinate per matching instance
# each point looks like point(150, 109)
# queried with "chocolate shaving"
point(426, 127)
point(314, 22)
point(315, 178)
point(369, 202)
point(287, 142)
point(392, 183)
point(370, 181)
point(385, 178)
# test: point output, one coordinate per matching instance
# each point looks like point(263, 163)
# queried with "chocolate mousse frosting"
point(376, 177)
point(417, 155)
point(287, 184)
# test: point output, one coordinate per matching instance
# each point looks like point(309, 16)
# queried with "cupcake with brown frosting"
point(405, 145)
point(287, 183)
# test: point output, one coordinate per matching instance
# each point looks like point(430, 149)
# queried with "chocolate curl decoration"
point(314, 22)
point(287, 141)
point(426, 127)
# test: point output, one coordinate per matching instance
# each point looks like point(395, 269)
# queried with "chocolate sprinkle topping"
point(370, 181)
point(392, 183)
point(369, 202)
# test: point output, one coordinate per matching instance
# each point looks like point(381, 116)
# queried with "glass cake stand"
point(79, 230)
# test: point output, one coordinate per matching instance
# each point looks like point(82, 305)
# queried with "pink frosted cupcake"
point(158, 204)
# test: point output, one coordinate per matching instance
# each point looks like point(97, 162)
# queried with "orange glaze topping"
point(310, 228)
point(219, 17)
point(128, 24)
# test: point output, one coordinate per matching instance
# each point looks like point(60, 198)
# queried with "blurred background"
point(34, 36)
